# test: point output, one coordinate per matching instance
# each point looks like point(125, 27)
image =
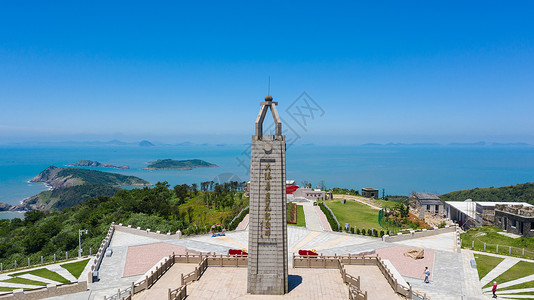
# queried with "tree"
point(181, 192)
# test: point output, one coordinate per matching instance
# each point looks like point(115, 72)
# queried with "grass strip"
point(45, 273)
point(486, 263)
point(519, 270)
point(301, 219)
point(20, 280)
point(75, 268)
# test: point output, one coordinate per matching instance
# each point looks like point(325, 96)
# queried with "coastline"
point(178, 169)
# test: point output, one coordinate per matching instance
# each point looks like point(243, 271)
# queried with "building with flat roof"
point(517, 219)
point(462, 212)
point(310, 194)
point(370, 192)
point(469, 213)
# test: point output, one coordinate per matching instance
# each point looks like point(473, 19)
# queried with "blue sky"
point(410, 71)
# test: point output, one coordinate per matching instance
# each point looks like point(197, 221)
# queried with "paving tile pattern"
point(408, 266)
point(304, 284)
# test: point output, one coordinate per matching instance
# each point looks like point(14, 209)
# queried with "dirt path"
point(360, 199)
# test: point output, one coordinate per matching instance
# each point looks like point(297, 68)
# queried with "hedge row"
point(330, 217)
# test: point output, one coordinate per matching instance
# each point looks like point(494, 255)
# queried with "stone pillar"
point(267, 258)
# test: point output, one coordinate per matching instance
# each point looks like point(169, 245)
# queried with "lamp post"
point(80, 232)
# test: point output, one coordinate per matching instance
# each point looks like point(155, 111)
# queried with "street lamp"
point(80, 232)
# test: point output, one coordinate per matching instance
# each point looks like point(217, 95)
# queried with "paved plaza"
point(452, 276)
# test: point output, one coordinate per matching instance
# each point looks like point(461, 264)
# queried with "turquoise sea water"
point(397, 169)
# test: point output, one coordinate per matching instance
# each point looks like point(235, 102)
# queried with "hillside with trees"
point(513, 193)
point(45, 233)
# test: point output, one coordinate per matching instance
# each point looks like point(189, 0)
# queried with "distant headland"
point(170, 164)
point(90, 163)
point(71, 186)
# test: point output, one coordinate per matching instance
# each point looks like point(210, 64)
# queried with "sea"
point(393, 169)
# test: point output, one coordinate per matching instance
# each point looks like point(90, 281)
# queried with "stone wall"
point(514, 223)
point(417, 234)
point(46, 292)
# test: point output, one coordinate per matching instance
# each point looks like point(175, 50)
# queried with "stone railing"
point(458, 240)
point(355, 292)
point(203, 260)
point(148, 232)
point(100, 254)
point(177, 294)
point(338, 262)
point(414, 234)
point(46, 292)
point(398, 288)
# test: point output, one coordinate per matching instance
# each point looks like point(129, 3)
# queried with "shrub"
point(329, 217)
point(376, 233)
point(238, 220)
point(357, 230)
point(352, 230)
point(382, 233)
point(363, 231)
point(369, 232)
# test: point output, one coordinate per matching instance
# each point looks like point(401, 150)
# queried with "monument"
point(267, 258)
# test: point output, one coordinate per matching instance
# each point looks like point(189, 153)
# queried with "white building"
point(310, 194)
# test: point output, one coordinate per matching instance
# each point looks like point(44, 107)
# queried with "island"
point(145, 143)
point(72, 186)
point(170, 164)
point(90, 163)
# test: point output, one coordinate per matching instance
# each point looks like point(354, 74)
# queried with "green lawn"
point(301, 220)
point(525, 293)
point(75, 268)
point(486, 263)
point(526, 285)
point(24, 281)
point(354, 213)
point(521, 269)
point(6, 289)
point(492, 238)
point(45, 273)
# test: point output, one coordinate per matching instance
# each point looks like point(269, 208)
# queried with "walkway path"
point(360, 199)
point(244, 223)
point(322, 217)
point(501, 256)
point(502, 267)
point(313, 222)
point(512, 282)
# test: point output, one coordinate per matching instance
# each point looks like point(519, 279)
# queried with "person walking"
point(494, 289)
point(427, 274)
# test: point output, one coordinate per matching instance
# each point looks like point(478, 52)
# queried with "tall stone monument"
point(267, 243)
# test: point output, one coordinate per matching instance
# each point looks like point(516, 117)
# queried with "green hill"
point(171, 164)
point(513, 193)
point(45, 233)
point(67, 177)
point(60, 199)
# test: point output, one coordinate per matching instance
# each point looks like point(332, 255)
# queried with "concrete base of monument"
point(231, 283)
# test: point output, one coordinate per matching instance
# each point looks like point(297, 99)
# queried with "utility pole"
point(80, 232)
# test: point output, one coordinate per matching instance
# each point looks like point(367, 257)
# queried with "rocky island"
point(90, 163)
point(171, 164)
point(72, 186)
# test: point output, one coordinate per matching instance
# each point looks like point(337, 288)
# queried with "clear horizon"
point(415, 72)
